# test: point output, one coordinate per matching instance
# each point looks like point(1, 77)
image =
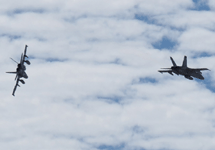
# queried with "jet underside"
point(188, 72)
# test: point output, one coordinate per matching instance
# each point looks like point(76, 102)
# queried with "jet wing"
point(199, 69)
point(23, 56)
point(25, 50)
point(168, 71)
point(17, 84)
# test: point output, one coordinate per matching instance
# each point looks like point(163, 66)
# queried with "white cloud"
point(197, 39)
point(187, 19)
point(155, 7)
point(93, 81)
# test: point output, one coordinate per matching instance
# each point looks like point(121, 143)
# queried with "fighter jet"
point(20, 70)
point(184, 70)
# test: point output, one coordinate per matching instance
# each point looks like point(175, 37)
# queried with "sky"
point(94, 82)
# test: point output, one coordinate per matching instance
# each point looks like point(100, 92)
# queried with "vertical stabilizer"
point(173, 62)
point(184, 65)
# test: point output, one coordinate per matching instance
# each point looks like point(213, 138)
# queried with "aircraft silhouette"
point(20, 70)
point(184, 70)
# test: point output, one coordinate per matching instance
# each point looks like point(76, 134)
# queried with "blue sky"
point(94, 82)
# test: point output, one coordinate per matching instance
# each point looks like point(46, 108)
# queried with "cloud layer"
point(93, 83)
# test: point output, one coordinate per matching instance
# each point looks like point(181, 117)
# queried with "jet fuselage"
point(21, 71)
point(187, 72)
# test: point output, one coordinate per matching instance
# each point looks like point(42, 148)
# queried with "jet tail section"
point(184, 65)
point(173, 62)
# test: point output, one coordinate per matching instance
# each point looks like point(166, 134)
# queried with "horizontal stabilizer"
point(12, 72)
point(14, 60)
point(168, 71)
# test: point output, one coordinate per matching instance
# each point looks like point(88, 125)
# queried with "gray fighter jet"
point(184, 70)
point(20, 70)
